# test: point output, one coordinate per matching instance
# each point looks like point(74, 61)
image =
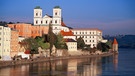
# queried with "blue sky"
point(112, 16)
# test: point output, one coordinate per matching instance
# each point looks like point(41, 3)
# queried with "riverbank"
point(43, 59)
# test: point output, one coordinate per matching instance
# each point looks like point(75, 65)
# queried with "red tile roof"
point(27, 52)
point(115, 41)
point(69, 40)
point(63, 24)
point(70, 33)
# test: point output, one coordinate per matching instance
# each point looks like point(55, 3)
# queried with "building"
point(91, 36)
point(14, 42)
point(55, 20)
point(115, 45)
point(71, 44)
point(27, 30)
point(23, 29)
point(5, 37)
point(39, 30)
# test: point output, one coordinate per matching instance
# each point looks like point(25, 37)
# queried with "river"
point(122, 64)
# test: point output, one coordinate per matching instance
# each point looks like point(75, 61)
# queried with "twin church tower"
point(47, 19)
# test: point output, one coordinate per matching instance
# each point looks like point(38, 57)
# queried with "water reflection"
point(70, 67)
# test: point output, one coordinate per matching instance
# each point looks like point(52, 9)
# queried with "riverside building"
point(5, 37)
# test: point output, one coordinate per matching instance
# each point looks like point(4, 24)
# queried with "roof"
point(69, 40)
point(27, 52)
point(37, 7)
point(63, 24)
point(49, 16)
point(57, 7)
point(115, 41)
point(86, 29)
point(70, 33)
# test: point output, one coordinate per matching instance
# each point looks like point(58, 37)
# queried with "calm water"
point(118, 65)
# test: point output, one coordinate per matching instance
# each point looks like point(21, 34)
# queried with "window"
point(36, 22)
point(93, 40)
point(55, 27)
point(93, 45)
point(90, 40)
point(41, 22)
point(80, 32)
point(55, 21)
point(85, 32)
point(85, 36)
point(46, 22)
point(76, 32)
point(51, 21)
point(85, 40)
point(93, 36)
point(90, 32)
point(55, 13)
point(36, 14)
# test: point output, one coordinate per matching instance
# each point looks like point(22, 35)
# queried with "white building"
point(91, 36)
point(5, 36)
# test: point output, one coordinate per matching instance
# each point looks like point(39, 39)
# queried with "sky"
point(113, 17)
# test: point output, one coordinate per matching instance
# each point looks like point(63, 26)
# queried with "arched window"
point(36, 14)
point(55, 21)
point(55, 13)
point(36, 22)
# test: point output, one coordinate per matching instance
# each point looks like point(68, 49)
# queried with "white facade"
point(5, 36)
point(90, 36)
point(55, 20)
point(72, 46)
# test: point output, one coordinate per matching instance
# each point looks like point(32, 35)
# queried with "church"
point(91, 36)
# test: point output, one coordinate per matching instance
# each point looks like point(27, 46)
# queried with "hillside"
point(124, 41)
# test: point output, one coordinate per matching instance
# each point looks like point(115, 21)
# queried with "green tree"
point(103, 47)
point(41, 43)
point(80, 43)
point(30, 44)
point(60, 43)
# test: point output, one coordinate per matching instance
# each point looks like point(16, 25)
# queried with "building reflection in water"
point(115, 62)
point(68, 67)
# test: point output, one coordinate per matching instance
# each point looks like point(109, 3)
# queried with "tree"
point(60, 43)
point(103, 46)
point(52, 38)
point(41, 43)
point(30, 44)
point(80, 43)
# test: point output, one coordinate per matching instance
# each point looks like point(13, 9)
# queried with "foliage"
point(103, 47)
point(40, 41)
point(30, 44)
point(60, 43)
point(80, 43)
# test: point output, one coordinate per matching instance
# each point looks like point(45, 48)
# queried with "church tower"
point(57, 15)
point(37, 15)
